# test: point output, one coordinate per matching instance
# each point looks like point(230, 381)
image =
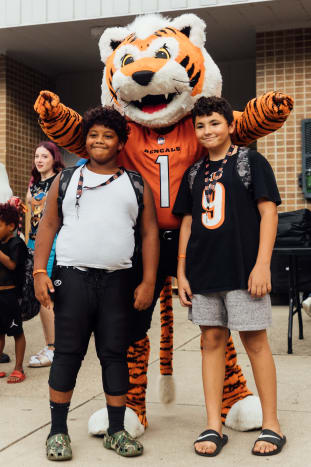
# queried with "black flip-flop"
point(214, 437)
point(270, 437)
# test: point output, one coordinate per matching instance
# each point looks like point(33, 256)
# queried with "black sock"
point(59, 414)
point(116, 418)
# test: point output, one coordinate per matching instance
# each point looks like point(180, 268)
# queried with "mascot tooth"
point(155, 70)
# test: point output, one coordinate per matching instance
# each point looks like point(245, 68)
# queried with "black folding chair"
point(291, 273)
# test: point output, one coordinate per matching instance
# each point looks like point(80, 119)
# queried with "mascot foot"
point(98, 423)
point(166, 386)
point(245, 414)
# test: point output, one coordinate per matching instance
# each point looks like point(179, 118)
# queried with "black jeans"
point(85, 302)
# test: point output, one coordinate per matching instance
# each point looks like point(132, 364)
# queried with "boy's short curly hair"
point(108, 117)
point(9, 214)
point(208, 105)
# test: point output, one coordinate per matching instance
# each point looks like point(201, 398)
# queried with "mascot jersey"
point(162, 159)
point(155, 70)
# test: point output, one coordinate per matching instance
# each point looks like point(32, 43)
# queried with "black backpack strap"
point(138, 186)
point(193, 171)
point(243, 167)
point(64, 180)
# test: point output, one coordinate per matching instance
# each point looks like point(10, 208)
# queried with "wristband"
point(181, 256)
point(37, 271)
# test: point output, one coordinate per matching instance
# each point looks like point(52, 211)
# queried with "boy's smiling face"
point(213, 131)
point(102, 144)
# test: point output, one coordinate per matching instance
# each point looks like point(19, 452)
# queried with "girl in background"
point(47, 163)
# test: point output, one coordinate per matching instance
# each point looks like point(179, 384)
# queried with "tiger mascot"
point(155, 70)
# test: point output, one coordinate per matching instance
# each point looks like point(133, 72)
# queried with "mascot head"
point(156, 68)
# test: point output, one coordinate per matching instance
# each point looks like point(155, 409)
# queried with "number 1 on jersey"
point(164, 181)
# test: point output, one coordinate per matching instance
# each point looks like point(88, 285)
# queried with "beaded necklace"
point(210, 180)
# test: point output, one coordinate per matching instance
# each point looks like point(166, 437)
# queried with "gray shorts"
point(234, 309)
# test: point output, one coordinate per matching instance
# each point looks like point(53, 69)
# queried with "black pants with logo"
point(85, 302)
point(10, 313)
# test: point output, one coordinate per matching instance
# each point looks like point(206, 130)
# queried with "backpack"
point(28, 303)
point(242, 166)
point(294, 229)
point(138, 187)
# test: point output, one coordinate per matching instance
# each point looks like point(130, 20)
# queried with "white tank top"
point(101, 233)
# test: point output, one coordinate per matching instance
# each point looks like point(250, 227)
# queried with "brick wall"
point(283, 62)
point(2, 109)
point(19, 129)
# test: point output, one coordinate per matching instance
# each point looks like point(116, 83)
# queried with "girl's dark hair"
point(208, 105)
point(108, 117)
point(58, 164)
point(9, 214)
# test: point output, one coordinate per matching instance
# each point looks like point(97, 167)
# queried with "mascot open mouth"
point(151, 104)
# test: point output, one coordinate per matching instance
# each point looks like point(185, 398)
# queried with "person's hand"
point(259, 282)
point(143, 296)
point(184, 291)
point(42, 285)
point(18, 204)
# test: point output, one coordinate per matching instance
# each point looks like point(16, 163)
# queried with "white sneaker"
point(42, 359)
point(306, 305)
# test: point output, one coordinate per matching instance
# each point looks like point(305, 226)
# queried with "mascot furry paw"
point(155, 70)
point(98, 423)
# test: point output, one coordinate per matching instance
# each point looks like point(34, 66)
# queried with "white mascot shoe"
point(245, 415)
point(98, 423)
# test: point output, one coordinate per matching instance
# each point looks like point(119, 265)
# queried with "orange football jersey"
point(162, 161)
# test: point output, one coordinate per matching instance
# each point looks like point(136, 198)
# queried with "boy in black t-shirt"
point(12, 259)
point(228, 201)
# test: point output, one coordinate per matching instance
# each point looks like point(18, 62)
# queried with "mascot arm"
point(261, 116)
point(60, 123)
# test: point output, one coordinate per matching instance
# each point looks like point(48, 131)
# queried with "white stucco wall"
point(28, 12)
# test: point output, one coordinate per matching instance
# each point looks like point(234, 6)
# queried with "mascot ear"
point(192, 26)
point(110, 40)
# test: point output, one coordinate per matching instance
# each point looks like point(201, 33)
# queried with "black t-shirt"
point(39, 193)
point(223, 245)
point(16, 249)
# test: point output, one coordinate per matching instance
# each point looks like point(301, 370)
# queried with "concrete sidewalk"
point(24, 408)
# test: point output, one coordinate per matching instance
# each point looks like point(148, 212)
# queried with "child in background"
point(13, 253)
point(5, 195)
point(228, 201)
point(46, 165)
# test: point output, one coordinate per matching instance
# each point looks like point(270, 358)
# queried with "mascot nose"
point(143, 77)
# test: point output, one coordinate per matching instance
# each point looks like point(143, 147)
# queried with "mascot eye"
point(127, 59)
point(162, 53)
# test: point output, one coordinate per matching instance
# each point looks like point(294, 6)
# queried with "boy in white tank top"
point(93, 281)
